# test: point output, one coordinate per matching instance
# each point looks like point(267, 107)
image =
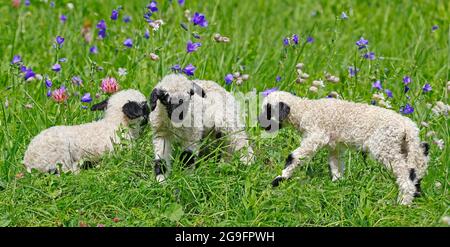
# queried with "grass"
point(122, 191)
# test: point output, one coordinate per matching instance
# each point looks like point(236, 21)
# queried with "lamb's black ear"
point(154, 98)
point(100, 106)
point(198, 90)
point(284, 110)
point(132, 110)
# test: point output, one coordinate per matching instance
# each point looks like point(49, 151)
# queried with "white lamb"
point(69, 146)
point(389, 137)
point(186, 111)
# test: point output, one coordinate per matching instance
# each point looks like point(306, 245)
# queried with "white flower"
point(245, 77)
point(122, 72)
point(6, 103)
point(313, 89)
point(156, 24)
point(441, 109)
point(154, 57)
point(440, 143)
point(70, 6)
point(299, 66)
point(318, 83)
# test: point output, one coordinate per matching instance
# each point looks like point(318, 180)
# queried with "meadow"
point(393, 54)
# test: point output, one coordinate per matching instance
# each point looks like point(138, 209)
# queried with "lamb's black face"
point(272, 116)
point(176, 103)
point(134, 110)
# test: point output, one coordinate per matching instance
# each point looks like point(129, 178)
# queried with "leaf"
point(174, 212)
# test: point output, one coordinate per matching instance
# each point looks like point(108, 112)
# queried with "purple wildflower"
point(377, 85)
point(344, 16)
point(189, 70)
point(181, 2)
point(27, 3)
point(147, 34)
point(63, 60)
point(48, 83)
point(352, 71)
point(407, 109)
point(426, 88)
point(389, 93)
point(295, 39)
point(128, 43)
point(407, 80)
point(176, 68)
point(369, 55)
point(199, 19)
point(29, 73)
point(434, 28)
point(63, 18)
point(56, 67)
point(265, 93)
point(278, 78)
point(77, 80)
point(86, 98)
point(406, 89)
point(362, 43)
point(310, 39)
point(16, 59)
point(49, 93)
point(93, 49)
point(52, 4)
point(191, 47)
point(114, 15)
point(102, 33)
point(229, 79)
point(59, 40)
point(285, 41)
point(126, 18)
point(101, 26)
point(152, 6)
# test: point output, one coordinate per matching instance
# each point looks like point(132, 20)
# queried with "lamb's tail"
point(416, 155)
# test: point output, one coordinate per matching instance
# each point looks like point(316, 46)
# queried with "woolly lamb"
point(69, 146)
point(389, 137)
point(186, 111)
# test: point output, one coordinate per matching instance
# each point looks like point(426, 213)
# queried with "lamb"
point(186, 111)
point(69, 146)
point(389, 137)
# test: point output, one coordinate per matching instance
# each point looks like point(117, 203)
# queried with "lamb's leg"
point(405, 180)
point(307, 148)
point(189, 155)
point(163, 149)
point(336, 164)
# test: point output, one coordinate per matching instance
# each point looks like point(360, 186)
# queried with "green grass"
point(218, 193)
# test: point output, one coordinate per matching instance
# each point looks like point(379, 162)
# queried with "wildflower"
point(313, 89)
point(122, 72)
point(110, 85)
point(221, 39)
point(440, 108)
point(299, 66)
point(377, 85)
point(28, 106)
point(189, 70)
point(93, 49)
point(101, 26)
point(369, 56)
point(114, 14)
point(278, 78)
point(310, 39)
point(27, 3)
point(126, 18)
point(59, 41)
point(406, 89)
point(154, 57)
point(434, 28)
point(407, 109)
point(28, 73)
point(70, 6)
point(86, 98)
point(63, 60)
point(147, 34)
point(77, 80)
point(318, 83)
point(407, 80)
point(362, 43)
point(285, 41)
point(295, 39)
point(344, 16)
point(49, 93)
point(440, 143)
point(300, 80)
point(229, 79)
point(426, 88)
point(128, 43)
point(52, 4)
point(15, 3)
point(60, 95)
point(181, 2)
point(152, 6)
point(333, 94)
point(266, 92)
point(16, 59)
point(332, 78)
point(63, 18)
point(176, 68)
point(56, 67)
point(156, 24)
point(352, 71)
point(48, 83)
point(388, 93)
point(191, 47)
point(199, 19)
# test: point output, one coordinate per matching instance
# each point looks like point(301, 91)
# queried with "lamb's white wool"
point(68, 145)
point(388, 136)
point(186, 111)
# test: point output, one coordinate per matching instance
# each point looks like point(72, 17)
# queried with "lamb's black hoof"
point(187, 158)
point(277, 181)
point(160, 168)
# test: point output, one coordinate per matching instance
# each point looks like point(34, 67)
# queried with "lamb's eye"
point(180, 101)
